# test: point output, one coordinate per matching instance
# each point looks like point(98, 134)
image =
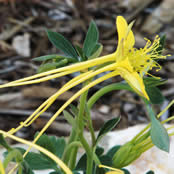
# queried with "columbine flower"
point(126, 61)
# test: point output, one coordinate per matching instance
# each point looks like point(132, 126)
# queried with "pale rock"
point(21, 44)
point(104, 109)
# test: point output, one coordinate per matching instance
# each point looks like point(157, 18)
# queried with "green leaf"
point(81, 165)
point(4, 143)
point(38, 162)
point(61, 43)
point(26, 168)
point(155, 95)
point(74, 110)
point(108, 126)
point(80, 53)
point(53, 144)
point(111, 152)
point(51, 66)
point(69, 118)
point(97, 51)
point(54, 57)
point(159, 135)
point(91, 39)
point(150, 172)
point(48, 57)
point(12, 155)
point(151, 81)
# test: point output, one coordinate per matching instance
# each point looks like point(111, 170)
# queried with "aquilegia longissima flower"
point(128, 62)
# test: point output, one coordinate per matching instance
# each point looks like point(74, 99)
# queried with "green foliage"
point(25, 168)
point(118, 156)
point(38, 161)
point(4, 143)
point(12, 155)
point(81, 54)
point(151, 81)
point(159, 135)
point(62, 44)
point(53, 57)
point(91, 40)
point(112, 151)
point(69, 118)
point(108, 126)
point(51, 66)
point(97, 51)
point(153, 92)
point(155, 95)
point(52, 144)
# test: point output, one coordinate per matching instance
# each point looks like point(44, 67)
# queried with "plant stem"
point(90, 126)
point(68, 149)
point(72, 138)
point(106, 89)
point(89, 153)
point(81, 124)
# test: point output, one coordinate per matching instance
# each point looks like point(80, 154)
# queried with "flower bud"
point(125, 155)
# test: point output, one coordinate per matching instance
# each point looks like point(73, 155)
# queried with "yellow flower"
point(126, 61)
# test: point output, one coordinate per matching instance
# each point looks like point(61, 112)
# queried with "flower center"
point(144, 59)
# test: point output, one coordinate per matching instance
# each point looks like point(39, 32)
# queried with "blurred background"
point(23, 37)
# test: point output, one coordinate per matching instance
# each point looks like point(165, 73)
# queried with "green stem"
point(89, 153)
point(103, 91)
point(72, 161)
point(72, 138)
point(81, 110)
point(68, 149)
point(90, 126)
point(81, 128)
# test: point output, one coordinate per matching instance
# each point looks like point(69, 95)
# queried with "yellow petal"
point(126, 70)
point(125, 34)
point(135, 81)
